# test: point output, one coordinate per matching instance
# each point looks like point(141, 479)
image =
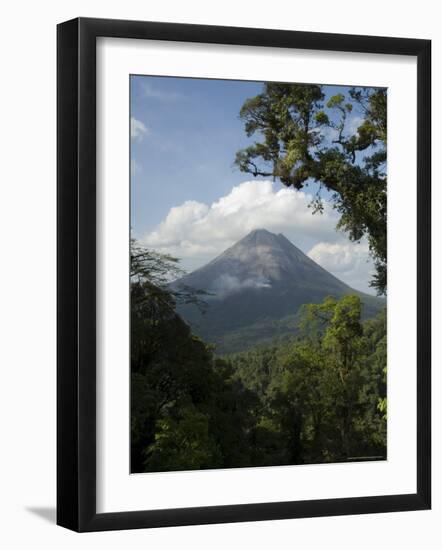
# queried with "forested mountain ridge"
point(255, 289)
point(320, 398)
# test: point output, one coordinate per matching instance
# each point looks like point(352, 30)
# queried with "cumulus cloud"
point(226, 284)
point(197, 232)
point(194, 228)
point(329, 134)
point(353, 124)
point(349, 261)
point(137, 128)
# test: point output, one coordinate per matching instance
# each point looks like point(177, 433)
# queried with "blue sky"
point(194, 132)
point(184, 136)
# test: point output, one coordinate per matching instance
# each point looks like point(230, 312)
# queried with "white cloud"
point(329, 134)
point(352, 124)
point(197, 232)
point(226, 284)
point(349, 261)
point(163, 95)
point(137, 128)
point(194, 228)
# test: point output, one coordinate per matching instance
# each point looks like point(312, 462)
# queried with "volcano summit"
point(256, 288)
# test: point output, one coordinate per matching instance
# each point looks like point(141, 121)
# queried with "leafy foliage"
point(318, 398)
point(321, 393)
point(187, 411)
point(292, 123)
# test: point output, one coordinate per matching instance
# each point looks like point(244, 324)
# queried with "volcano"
point(255, 290)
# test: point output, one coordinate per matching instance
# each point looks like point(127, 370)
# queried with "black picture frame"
point(76, 274)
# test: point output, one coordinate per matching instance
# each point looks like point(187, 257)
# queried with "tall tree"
point(320, 393)
point(293, 128)
point(187, 411)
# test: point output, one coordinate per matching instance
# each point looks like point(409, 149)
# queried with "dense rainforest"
point(320, 397)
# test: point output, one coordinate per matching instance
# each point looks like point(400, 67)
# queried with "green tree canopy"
point(292, 123)
point(187, 411)
point(323, 394)
point(320, 397)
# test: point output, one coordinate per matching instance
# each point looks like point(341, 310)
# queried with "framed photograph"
point(234, 342)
